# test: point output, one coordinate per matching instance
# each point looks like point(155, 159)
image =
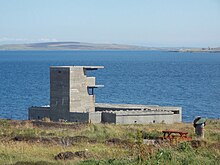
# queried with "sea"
point(188, 80)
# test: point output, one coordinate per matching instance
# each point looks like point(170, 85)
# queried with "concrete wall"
point(143, 117)
point(80, 100)
point(108, 117)
point(90, 81)
point(137, 117)
point(95, 117)
point(175, 112)
point(37, 113)
point(177, 116)
point(59, 89)
point(78, 117)
point(118, 117)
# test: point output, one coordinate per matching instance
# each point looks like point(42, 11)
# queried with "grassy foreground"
point(29, 142)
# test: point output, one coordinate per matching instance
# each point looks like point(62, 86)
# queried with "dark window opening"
point(154, 121)
point(38, 117)
point(84, 71)
point(59, 71)
point(176, 112)
point(90, 91)
point(135, 122)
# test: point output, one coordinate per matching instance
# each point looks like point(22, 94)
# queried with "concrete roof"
point(93, 67)
point(85, 67)
point(135, 106)
point(125, 106)
point(96, 86)
point(141, 113)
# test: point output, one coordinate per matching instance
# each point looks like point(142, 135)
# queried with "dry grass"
point(128, 148)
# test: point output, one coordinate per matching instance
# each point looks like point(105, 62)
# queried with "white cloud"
point(7, 40)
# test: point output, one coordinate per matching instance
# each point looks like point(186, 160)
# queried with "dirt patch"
point(72, 155)
point(79, 139)
point(114, 141)
point(117, 141)
point(198, 143)
point(44, 140)
point(33, 163)
point(22, 138)
point(215, 146)
point(20, 123)
point(65, 141)
point(44, 124)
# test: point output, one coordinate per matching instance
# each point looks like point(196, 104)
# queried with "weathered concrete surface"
point(69, 87)
point(140, 114)
point(38, 113)
point(72, 99)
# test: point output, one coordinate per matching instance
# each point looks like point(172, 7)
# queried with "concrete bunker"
point(72, 99)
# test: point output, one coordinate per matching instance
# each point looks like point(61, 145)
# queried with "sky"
point(157, 23)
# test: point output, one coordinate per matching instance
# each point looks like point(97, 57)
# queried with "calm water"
point(190, 80)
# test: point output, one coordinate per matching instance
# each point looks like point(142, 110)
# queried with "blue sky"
point(164, 23)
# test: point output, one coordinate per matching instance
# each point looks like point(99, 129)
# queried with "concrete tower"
point(71, 90)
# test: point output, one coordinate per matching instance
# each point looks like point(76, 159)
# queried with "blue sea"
point(189, 80)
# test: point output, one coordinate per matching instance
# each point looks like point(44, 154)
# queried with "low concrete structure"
point(140, 114)
point(72, 99)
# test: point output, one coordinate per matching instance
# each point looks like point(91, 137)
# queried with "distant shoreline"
point(198, 51)
point(103, 50)
point(81, 46)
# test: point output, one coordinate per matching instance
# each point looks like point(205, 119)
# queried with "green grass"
point(127, 146)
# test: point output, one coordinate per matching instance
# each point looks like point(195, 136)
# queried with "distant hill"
point(91, 46)
point(70, 46)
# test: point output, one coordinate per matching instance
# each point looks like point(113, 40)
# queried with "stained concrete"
point(134, 113)
point(72, 99)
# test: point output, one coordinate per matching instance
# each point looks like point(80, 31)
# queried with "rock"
point(114, 141)
point(81, 154)
point(71, 155)
point(46, 119)
point(18, 138)
point(26, 139)
point(149, 141)
point(64, 155)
